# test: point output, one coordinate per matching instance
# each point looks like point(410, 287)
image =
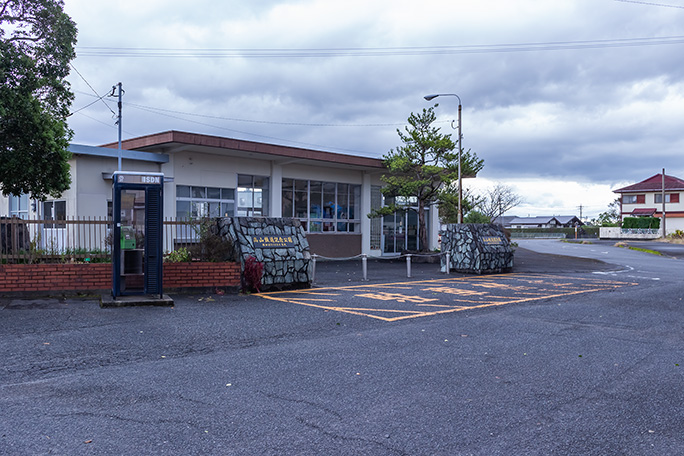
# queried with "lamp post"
point(460, 181)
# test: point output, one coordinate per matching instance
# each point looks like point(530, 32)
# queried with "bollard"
point(408, 265)
point(364, 266)
point(448, 262)
point(313, 268)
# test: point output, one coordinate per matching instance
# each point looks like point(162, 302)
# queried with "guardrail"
point(364, 262)
point(629, 233)
point(537, 235)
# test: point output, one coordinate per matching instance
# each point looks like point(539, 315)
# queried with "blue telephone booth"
point(137, 235)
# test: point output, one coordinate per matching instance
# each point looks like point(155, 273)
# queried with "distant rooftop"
point(654, 184)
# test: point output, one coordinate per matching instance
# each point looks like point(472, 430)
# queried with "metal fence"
point(76, 239)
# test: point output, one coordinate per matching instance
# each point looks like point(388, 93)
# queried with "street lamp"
point(460, 191)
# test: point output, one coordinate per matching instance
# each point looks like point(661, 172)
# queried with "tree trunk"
point(422, 228)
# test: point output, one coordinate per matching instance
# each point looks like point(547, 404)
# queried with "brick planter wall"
point(58, 278)
point(202, 275)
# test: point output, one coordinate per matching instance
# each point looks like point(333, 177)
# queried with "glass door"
point(400, 231)
point(132, 240)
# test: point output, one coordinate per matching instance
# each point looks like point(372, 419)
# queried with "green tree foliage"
point(448, 204)
point(611, 217)
point(36, 45)
point(476, 217)
point(652, 223)
point(424, 167)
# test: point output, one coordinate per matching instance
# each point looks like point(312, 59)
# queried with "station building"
point(212, 176)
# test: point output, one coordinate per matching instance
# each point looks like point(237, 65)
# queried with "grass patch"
point(639, 249)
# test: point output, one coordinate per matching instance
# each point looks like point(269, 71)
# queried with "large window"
point(19, 206)
point(252, 196)
point(323, 207)
point(197, 202)
point(669, 198)
point(54, 210)
point(633, 199)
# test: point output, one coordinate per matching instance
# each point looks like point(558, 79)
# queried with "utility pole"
point(580, 208)
point(118, 119)
point(663, 196)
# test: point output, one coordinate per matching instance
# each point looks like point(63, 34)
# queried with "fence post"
point(448, 262)
point(313, 268)
point(364, 266)
point(408, 265)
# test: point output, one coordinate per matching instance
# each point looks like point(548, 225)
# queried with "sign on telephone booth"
point(137, 236)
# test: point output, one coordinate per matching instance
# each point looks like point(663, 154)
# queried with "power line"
point(156, 110)
point(264, 136)
point(376, 51)
point(269, 122)
point(99, 97)
point(651, 4)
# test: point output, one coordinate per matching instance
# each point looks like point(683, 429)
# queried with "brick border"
point(65, 278)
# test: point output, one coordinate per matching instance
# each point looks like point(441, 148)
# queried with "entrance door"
point(400, 231)
point(54, 234)
point(132, 241)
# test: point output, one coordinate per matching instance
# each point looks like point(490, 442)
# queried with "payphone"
point(137, 235)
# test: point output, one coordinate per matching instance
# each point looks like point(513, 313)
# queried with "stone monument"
point(476, 248)
point(280, 244)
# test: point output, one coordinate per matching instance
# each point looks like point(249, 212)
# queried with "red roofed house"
point(645, 199)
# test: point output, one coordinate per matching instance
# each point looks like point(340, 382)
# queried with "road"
point(575, 358)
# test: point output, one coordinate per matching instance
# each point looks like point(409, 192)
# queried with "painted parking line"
point(404, 300)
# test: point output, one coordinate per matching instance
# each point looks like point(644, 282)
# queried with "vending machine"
point(137, 233)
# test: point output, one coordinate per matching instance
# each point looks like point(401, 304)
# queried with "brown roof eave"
point(178, 137)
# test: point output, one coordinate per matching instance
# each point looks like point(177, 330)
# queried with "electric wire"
point(94, 91)
point(376, 51)
point(650, 4)
point(318, 146)
point(156, 110)
point(269, 122)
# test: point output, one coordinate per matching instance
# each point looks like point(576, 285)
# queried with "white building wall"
point(365, 209)
point(276, 191)
point(434, 226)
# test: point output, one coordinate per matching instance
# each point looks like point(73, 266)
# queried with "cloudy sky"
point(565, 100)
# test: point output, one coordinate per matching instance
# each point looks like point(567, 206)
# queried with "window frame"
point(634, 199)
point(205, 201)
point(669, 198)
point(318, 205)
point(256, 185)
point(17, 209)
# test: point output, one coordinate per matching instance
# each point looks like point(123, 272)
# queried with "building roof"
point(174, 141)
point(654, 184)
point(541, 220)
point(505, 220)
point(80, 149)
point(567, 219)
point(644, 212)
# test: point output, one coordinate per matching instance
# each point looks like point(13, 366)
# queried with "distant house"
point(556, 221)
point(645, 199)
point(504, 220)
point(535, 222)
point(569, 221)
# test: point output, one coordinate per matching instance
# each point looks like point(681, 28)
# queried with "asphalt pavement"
point(577, 351)
point(346, 272)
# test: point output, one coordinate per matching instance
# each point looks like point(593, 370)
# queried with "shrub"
point(641, 223)
point(679, 234)
point(212, 245)
point(181, 255)
point(254, 270)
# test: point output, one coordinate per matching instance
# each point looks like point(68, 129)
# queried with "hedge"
point(652, 223)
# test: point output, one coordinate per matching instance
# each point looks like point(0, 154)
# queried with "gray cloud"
point(578, 110)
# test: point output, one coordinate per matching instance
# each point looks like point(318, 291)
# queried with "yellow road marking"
point(546, 286)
